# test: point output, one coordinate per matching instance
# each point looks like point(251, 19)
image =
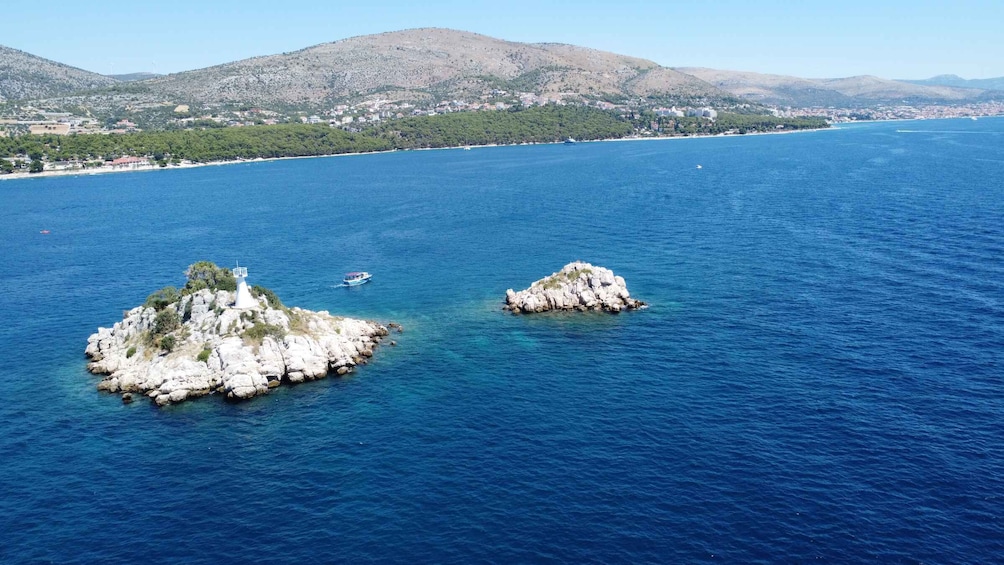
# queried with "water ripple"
point(818, 377)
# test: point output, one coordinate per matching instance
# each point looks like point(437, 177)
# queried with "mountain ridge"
point(861, 90)
point(422, 63)
point(996, 83)
point(432, 65)
point(24, 76)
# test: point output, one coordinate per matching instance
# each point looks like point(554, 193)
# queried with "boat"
point(356, 278)
point(699, 167)
point(973, 118)
point(570, 140)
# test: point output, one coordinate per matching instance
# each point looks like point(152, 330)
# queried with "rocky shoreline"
point(217, 349)
point(577, 286)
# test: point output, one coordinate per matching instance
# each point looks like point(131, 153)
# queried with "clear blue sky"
point(887, 38)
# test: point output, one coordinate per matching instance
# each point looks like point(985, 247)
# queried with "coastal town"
point(37, 119)
point(34, 120)
point(898, 112)
point(648, 121)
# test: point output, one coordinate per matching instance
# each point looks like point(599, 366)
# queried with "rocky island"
point(217, 335)
point(577, 286)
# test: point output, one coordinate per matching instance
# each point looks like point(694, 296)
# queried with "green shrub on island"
point(559, 279)
point(162, 298)
point(130, 352)
point(166, 321)
point(205, 274)
point(296, 324)
point(204, 355)
point(257, 332)
point(167, 343)
point(270, 297)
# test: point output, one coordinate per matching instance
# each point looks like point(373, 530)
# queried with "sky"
point(912, 39)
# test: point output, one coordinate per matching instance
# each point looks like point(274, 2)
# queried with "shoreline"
point(189, 165)
point(103, 170)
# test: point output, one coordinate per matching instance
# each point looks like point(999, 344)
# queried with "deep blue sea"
point(820, 375)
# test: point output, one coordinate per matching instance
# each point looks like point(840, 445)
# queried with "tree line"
point(539, 124)
point(725, 123)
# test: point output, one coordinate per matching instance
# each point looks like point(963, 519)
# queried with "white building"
point(244, 298)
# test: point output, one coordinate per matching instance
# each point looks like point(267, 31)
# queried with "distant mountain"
point(959, 82)
point(880, 89)
point(771, 89)
point(423, 64)
point(132, 77)
point(846, 92)
point(26, 76)
point(435, 65)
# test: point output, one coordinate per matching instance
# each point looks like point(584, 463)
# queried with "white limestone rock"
point(577, 286)
point(298, 345)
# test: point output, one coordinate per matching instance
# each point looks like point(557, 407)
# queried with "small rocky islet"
point(192, 342)
point(216, 335)
point(577, 286)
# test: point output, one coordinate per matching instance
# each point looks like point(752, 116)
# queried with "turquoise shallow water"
point(819, 375)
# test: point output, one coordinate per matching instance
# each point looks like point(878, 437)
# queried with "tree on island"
point(205, 274)
point(36, 166)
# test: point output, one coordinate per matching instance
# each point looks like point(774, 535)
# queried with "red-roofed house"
point(123, 161)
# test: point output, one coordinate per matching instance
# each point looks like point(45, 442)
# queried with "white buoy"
point(244, 298)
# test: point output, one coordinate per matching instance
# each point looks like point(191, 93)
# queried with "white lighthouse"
point(244, 298)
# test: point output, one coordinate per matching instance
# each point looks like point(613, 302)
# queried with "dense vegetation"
point(205, 274)
point(726, 123)
point(292, 140)
point(539, 124)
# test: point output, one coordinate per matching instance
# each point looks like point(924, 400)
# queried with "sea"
point(819, 376)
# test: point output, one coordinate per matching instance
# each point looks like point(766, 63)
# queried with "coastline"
point(105, 169)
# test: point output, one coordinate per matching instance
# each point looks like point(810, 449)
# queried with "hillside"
point(879, 89)
point(26, 76)
point(770, 89)
point(435, 70)
point(959, 82)
point(425, 64)
point(851, 91)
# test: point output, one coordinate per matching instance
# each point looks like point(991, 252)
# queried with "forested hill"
point(26, 76)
